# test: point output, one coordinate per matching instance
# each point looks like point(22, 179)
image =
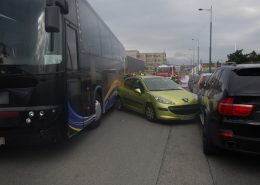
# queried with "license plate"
point(2, 141)
point(4, 98)
point(187, 117)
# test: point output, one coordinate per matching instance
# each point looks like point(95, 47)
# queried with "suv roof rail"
point(229, 64)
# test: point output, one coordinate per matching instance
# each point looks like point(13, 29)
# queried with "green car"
point(157, 98)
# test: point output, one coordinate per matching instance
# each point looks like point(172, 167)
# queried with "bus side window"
point(71, 45)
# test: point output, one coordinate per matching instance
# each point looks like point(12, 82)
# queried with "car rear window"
point(245, 81)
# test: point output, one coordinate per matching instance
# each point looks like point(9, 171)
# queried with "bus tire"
point(98, 112)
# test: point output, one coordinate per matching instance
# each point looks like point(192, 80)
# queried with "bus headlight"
point(31, 114)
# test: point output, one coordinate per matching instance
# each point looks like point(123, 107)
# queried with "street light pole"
point(193, 61)
point(210, 39)
point(198, 42)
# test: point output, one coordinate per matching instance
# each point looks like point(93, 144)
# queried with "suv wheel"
point(209, 148)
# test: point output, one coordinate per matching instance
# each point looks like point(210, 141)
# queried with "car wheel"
point(98, 112)
point(202, 117)
point(150, 113)
point(209, 148)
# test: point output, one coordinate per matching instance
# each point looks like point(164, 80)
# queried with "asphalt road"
point(128, 150)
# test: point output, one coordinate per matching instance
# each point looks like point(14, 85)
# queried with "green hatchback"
point(157, 98)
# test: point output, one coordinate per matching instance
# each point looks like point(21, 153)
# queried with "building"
point(152, 60)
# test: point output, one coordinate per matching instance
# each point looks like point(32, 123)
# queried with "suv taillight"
point(227, 108)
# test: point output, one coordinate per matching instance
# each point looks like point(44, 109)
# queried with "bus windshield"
point(23, 39)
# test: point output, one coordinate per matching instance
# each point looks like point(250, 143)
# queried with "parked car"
point(157, 98)
point(184, 81)
point(230, 110)
point(198, 86)
point(193, 79)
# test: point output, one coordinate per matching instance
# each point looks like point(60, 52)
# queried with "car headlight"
point(162, 100)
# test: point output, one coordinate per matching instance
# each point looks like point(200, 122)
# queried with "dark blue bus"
point(60, 67)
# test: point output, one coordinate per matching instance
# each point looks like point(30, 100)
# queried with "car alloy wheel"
point(150, 113)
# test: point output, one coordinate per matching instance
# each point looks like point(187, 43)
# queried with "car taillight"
point(227, 108)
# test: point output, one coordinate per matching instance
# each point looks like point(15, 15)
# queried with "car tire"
point(209, 148)
point(119, 104)
point(98, 112)
point(150, 113)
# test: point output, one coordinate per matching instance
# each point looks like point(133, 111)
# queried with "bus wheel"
point(98, 112)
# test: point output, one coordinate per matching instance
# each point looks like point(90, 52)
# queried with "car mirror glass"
point(138, 91)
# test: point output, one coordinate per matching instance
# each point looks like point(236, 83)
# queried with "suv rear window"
point(245, 81)
point(248, 72)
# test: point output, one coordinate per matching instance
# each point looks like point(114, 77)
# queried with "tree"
point(239, 58)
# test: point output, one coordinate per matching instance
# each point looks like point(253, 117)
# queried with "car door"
point(137, 98)
point(125, 91)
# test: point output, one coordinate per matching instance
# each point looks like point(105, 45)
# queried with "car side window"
point(210, 80)
point(217, 84)
point(138, 85)
point(129, 83)
point(213, 79)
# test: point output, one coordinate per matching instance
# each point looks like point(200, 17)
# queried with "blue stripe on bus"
point(78, 122)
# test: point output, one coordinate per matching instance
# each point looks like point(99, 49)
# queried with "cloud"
point(170, 25)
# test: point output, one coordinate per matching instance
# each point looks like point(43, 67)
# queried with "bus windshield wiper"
point(6, 70)
point(6, 17)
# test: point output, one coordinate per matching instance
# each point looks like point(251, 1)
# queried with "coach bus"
point(60, 68)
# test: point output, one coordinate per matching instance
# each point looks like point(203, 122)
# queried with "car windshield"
point(23, 39)
point(161, 84)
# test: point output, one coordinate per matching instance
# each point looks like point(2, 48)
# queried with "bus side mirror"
point(52, 19)
point(64, 7)
point(52, 14)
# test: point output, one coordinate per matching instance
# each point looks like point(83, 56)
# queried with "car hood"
point(179, 97)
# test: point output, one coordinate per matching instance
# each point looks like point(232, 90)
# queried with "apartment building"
point(152, 60)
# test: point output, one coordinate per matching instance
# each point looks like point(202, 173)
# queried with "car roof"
point(241, 66)
point(206, 74)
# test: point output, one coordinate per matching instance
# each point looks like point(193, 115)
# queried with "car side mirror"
point(138, 91)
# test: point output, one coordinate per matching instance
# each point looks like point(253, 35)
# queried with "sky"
point(170, 26)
